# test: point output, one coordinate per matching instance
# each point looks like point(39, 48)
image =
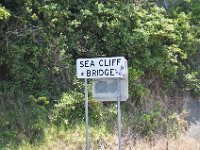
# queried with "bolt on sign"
point(104, 67)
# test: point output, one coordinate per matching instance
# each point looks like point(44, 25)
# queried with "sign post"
point(110, 84)
point(119, 115)
point(86, 115)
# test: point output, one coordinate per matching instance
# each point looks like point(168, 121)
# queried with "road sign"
point(110, 82)
point(102, 67)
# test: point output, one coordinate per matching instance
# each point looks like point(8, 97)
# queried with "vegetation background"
point(41, 100)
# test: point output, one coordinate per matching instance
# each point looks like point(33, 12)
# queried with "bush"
point(70, 109)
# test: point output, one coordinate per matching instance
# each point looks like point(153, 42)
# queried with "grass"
point(101, 139)
point(60, 138)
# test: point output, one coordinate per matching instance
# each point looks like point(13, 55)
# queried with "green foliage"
point(150, 122)
point(41, 40)
point(4, 13)
point(195, 11)
point(40, 100)
point(193, 84)
point(20, 118)
point(70, 109)
point(137, 91)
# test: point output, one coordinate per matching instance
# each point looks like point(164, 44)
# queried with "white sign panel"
point(104, 67)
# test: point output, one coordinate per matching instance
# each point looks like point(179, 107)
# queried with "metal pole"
point(119, 114)
point(86, 115)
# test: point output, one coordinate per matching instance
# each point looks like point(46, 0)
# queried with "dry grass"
point(111, 143)
point(182, 143)
point(101, 140)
